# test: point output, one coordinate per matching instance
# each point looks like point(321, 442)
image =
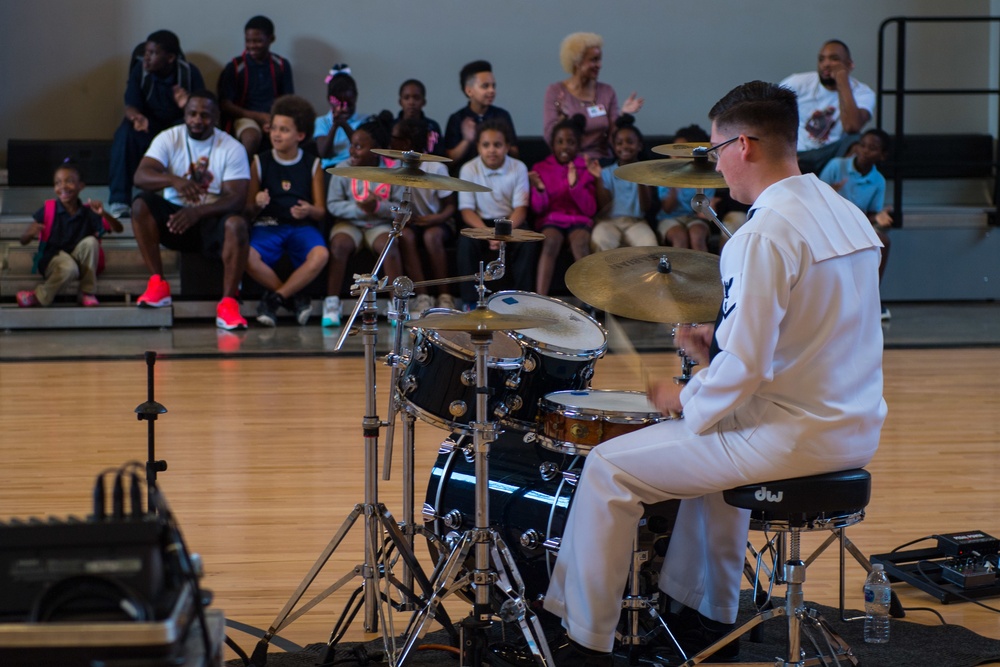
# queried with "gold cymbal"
point(682, 150)
point(489, 234)
point(698, 173)
point(412, 156)
point(411, 176)
point(652, 284)
point(480, 319)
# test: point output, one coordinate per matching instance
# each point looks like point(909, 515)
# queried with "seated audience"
point(204, 175)
point(362, 213)
point(432, 220)
point(622, 205)
point(286, 204)
point(563, 199)
point(679, 225)
point(479, 85)
point(581, 55)
point(155, 95)
point(412, 99)
point(68, 230)
point(507, 178)
point(334, 129)
point(251, 82)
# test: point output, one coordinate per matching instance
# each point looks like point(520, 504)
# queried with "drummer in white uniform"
point(790, 384)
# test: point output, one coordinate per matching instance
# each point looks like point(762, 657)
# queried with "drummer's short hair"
point(766, 108)
point(574, 46)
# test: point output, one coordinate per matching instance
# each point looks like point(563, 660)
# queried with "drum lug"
point(586, 374)
point(408, 384)
point(571, 477)
point(513, 382)
point(513, 403)
point(447, 447)
point(530, 363)
point(552, 544)
point(420, 354)
point(500, 411)
point(429, 513)
point(469, 377)
point(452, 519)
point(531, 539)
point(457, 408)
point(548, 471)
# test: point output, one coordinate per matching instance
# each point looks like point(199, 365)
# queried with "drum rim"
point(544, 402)
point(556, 350)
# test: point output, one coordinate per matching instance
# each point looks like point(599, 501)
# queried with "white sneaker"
point(421, 303)
point(331, 311)
point(886, 315)
point(119, 210)
point(446, 301)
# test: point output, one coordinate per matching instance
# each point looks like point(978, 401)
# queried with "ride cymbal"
point(411, 176)
point(489, 234)
point(480, 319)
point(652, 284)
point(698, 173)
point(410, 156)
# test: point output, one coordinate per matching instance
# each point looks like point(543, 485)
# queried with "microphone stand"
point(148, 412)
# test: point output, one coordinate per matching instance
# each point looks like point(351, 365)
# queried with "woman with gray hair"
point(580, 55)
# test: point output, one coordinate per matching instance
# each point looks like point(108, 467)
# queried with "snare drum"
point(574, 422)
point(557, 356)
point(439, 382)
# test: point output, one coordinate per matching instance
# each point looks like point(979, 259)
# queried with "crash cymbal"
point(651, 284)
point(687, 150)
point(412, 156)
point(481, 319)
point(411, 176)
point(489, 234)
point(675, 173)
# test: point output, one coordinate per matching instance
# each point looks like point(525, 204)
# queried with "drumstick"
point(621, 345)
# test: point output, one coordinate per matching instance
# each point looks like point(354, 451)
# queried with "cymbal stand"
point(381, 532)
point(494, 569)
point(148, 412)
point(700, 203)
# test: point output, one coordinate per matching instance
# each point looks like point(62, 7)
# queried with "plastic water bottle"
point(878, 595)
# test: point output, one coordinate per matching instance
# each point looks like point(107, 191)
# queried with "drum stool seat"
point(830, 501)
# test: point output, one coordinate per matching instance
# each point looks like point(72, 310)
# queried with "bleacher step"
point(77, 317)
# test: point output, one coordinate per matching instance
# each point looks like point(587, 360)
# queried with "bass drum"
point(530, 493)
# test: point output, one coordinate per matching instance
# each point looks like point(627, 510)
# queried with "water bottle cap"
point(878, 566)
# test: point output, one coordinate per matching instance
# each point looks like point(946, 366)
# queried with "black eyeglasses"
point(713, 151)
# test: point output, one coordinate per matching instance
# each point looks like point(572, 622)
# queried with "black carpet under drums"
point(910, 645)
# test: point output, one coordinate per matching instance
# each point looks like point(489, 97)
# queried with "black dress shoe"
point(696, 632)
point(570, 654)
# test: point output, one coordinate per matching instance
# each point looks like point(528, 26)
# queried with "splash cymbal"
point(411, 176)
point(481, 319)
point(651, 284)
point(698, 173)
point(688, 150)
point(489, 234)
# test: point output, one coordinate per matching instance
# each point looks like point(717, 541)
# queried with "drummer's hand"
point(695, 340)
point(494, 246)
point(665, 395)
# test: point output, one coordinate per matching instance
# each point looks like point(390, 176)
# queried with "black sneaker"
point(301, 305)
point(267, 309)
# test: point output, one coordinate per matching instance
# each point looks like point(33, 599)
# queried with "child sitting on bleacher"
point(563, 199)
point(69, 249)
point(362, 212)
point(335, 127)
point(432, 222)
point(286, 200)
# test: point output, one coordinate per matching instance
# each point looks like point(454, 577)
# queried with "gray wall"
point(63, 62)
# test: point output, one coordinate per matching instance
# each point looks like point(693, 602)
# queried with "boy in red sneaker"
point(204, 175)
point(68, 249)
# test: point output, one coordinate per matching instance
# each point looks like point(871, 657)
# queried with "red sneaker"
point(27, 299)
point(157, 294)
point(227, 315)
point(89, 300)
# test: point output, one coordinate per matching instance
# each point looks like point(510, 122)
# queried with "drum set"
point(510, 382)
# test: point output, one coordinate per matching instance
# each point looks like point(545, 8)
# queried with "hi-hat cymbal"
point(489, 234)
point(687, 150)
point(675, 173)
point(651, 284)
point(481, 319)
point(412, 156)
point(413, 177)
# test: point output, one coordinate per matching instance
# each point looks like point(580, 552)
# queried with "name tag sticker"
point(596, 111)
